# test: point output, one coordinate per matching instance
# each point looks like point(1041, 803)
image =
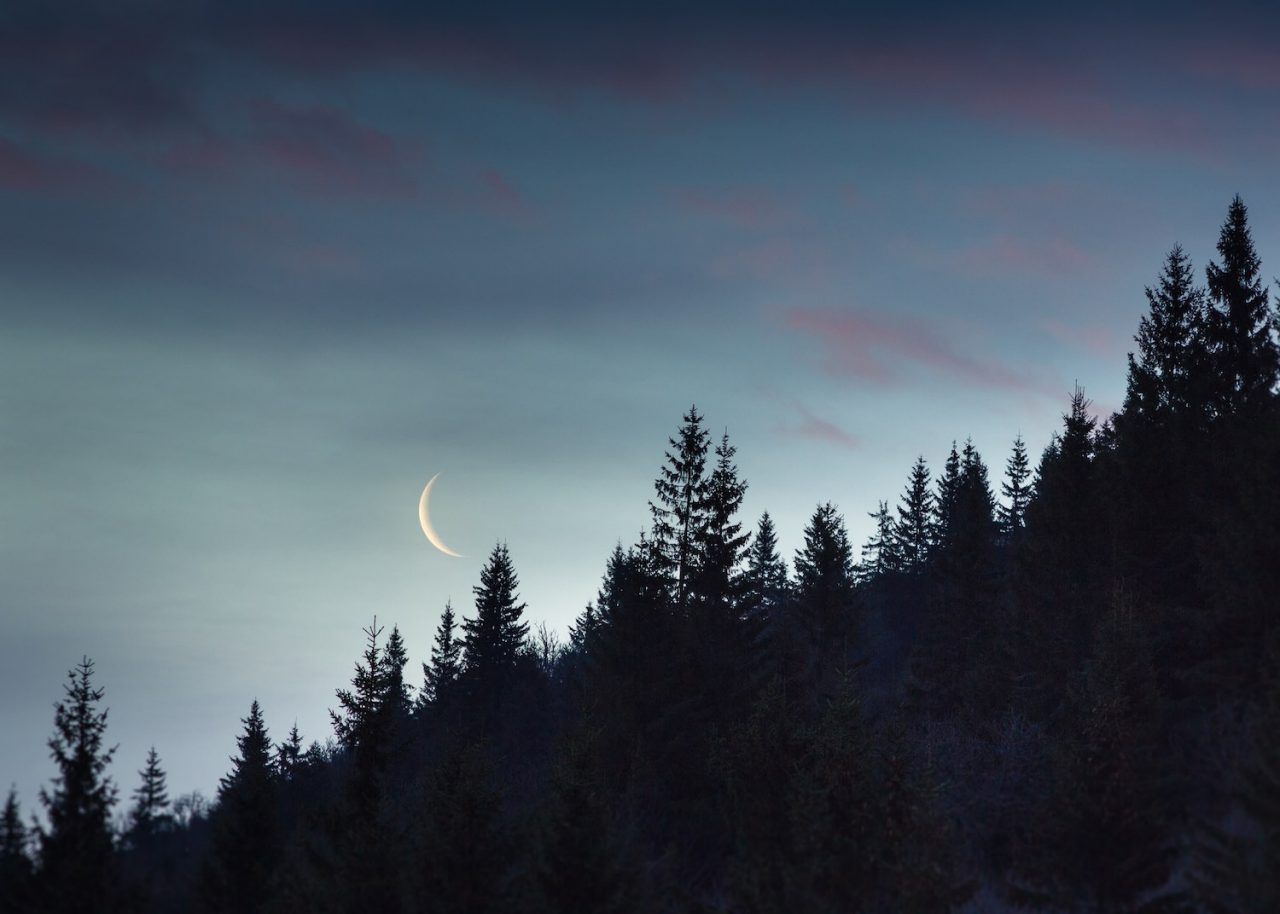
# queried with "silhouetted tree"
point(493, 637)
point(289, 755)
point(399, 694)
point(1016, 489)
point(825, 605)
point(767, 586)
point(1168, 372)
point(679, 509)
point(150, 812)
point(77, 866)
point(944, 504)
point(366, 728)
point(245, 828)
point(880, 555)
point(915, 526)
point(16, 868)
point(1240, 323)
point(439, 675)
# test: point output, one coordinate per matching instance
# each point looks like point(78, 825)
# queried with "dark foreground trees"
point(1057, 692)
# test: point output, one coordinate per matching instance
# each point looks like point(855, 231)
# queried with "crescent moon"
point(425, 519)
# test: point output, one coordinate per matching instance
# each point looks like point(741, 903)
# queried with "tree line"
point(1054, 692)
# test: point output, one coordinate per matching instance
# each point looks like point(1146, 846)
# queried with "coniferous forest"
point(1048, 683)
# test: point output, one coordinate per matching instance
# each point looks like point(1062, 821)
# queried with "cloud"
point(328, 153)
point(816, 428)
point(1004, 254)
point(22, 169)
point(1100, 341)
point(741, 207)
point(884, 350)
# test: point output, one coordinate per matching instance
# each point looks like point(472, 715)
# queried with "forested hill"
point(1053, 685)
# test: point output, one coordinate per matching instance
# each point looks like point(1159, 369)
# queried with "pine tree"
point(494, 636)
point(1016, 490)
point(1168, 372)
point(360, 725)
point(442, 672)
point(366, 727)
point(680, 507)
point(956, 661)
point(1241, 325)
point(948, 485)
point(826, 604)
point(721, 543)
point(289, 755)
point(150, 812)
point(245, 828)
point(915, 526)
point(16, 868)
point(766, 575)
point(880, 555)
point(77, 867)
point(399, 694)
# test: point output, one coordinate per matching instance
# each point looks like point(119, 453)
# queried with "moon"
point(424, 517)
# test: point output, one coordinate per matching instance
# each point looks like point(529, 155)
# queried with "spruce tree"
point(289, 755)
point(150, 812)
point(767, 585)
point(1240, 322)
point(77, 866)
point(880, 555)
point(948, 485)
point(1168, 372)
point(439, 675)
point(399, 694)
point(493, 637)
point(366, 726)
point(1016, 489)
point(245, 847)
point(679, 508)
point(915, 525)
point(16, 868)
point(826, 605)
point(721, 542)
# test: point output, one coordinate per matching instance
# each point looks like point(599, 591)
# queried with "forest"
point(1051, 687)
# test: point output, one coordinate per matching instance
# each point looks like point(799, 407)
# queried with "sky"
point(265, 268)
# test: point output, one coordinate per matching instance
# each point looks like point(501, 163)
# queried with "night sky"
point(265, 268)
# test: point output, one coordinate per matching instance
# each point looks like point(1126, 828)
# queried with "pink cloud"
point(503, 195)
point(877, 348)
point(1101, 341)
point(1004, 254)
point(328, 153)
point(816, 428)
point(741, 207)
point(21, 169)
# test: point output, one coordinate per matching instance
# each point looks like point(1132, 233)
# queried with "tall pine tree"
point(1016, 489)
point(16, 869)
point(150, 812)
point(439, 675)
point(915, 526)
point(1241, 325)
point(77, 865)
point(679, 508)
point(246, 833)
